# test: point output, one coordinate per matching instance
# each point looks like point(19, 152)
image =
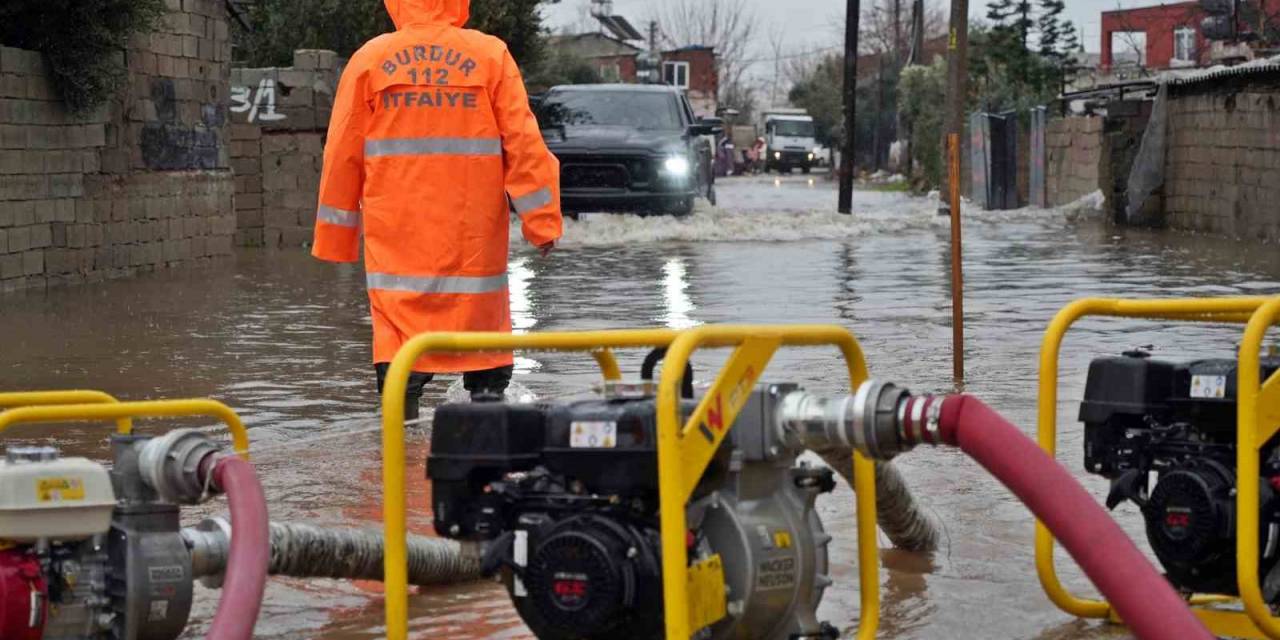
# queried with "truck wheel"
point(806, 169)
point(682, 208)
point(711, 195)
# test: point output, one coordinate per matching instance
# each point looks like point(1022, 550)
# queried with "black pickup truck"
point(627, 148)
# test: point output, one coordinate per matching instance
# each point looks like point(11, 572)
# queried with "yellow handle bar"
point(126, 410)
point(124, 426)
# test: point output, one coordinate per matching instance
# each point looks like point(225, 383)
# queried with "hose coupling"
point(210, 546)
point(880, 420)
point(174, 465)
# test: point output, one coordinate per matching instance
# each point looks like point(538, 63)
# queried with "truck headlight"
point(777, 155)
point(811, 156)
point(676, 165)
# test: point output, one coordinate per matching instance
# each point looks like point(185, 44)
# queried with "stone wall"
point(1075, 158)
point(141, 183)
point(1222, 171)
point(280, 116)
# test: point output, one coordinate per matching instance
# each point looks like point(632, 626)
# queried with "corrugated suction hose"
point(308, 551)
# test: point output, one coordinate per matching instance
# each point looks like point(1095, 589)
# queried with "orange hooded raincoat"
point(432, 143)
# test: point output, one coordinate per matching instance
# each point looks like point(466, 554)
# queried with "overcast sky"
point(808, 23)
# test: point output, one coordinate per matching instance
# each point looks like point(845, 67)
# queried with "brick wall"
point(1074, 158)
point(141, 183)
point(280, 116)
point(1222, 164)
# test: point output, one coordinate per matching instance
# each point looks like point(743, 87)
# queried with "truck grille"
point(604, 173)
point(594, 177)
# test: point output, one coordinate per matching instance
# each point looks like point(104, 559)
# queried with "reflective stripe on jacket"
point(431, 145)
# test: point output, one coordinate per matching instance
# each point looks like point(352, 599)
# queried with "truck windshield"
point(636, 109)
point(793, 128)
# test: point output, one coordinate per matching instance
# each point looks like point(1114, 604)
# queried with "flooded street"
point(283, 339)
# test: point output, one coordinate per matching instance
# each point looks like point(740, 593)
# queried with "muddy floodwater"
point(284, 340)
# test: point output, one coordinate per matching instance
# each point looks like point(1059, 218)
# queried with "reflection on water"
point(674, 294)
point(520, 278)
point(284, 340)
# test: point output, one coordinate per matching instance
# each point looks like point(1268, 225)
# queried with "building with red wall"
point(1173, 33)
point(694, 70)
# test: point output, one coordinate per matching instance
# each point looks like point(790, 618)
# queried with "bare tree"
point(727, 25)
point(884, 23)
point(582, 20)
point(778, 49)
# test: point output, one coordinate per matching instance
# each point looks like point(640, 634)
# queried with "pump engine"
point(565, 499)
point(95, 555)
point(1176, 421)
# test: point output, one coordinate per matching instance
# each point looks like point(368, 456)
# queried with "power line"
point(792, 56)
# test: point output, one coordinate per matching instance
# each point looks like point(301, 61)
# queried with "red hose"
point(1140, 595)
point(246, 576)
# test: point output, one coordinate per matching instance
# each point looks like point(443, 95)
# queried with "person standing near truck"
point(432, 143)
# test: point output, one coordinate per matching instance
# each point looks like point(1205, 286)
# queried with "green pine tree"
point(1015, 17)
point(1025, 56)
point(1058, 43)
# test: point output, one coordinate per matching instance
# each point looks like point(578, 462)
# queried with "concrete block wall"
point(45, 154)
point(1223, 164)
point(140, 184)
point(1074, 166)
point(173, 114)
point(280, 116)
point(246, 161)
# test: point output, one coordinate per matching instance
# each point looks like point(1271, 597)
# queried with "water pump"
point(565, 499)
point(1176, 422)
point(97, 554)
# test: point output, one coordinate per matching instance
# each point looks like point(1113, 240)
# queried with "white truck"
point(789, 140)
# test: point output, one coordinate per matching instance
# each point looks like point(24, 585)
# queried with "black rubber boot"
point(413, 392)
point(489, 385)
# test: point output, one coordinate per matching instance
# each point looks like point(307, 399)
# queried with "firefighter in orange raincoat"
point(431, 145)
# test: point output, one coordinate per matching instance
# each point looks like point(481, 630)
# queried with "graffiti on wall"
point(258, 102)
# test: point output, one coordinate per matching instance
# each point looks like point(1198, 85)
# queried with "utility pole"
point(897, 30)
point(898, 59)
point(850, 104)
point(917, 33)
point(916, 56)
point(878, 144)
point(957, 93)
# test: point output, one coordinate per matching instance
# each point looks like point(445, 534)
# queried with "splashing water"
point(811, 219)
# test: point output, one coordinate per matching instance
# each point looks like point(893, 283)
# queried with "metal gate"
point(994, 155)
point(1039, 158)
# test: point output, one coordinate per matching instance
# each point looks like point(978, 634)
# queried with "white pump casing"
point(53, 498)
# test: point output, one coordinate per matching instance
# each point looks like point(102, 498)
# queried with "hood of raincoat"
point(407, 12)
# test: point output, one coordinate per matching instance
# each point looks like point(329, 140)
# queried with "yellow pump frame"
point(1258, 419)
point(683, 450)
point(124, 426)
point(45, 406)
